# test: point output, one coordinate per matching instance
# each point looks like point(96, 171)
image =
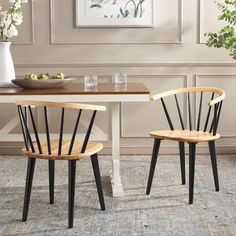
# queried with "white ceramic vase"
point(7, 70)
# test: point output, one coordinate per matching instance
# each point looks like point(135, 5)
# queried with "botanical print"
point(116, 8)
point(115, 13)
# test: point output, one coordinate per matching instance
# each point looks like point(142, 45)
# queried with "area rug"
point(164, 212)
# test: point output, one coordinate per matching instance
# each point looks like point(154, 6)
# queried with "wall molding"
point(53, 39)
point(122, 63)
point(180, 21)
point(200, 22)
point(215, 75)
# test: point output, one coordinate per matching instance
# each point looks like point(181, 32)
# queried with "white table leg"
point(117, 188)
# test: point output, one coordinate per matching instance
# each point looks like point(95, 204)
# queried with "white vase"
point(7, 70)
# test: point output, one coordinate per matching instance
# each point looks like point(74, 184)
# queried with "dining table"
point(103, 93)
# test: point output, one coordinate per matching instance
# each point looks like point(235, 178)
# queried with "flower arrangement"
point(10, 19)
point(226, 37)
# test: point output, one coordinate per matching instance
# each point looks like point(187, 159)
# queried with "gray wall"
point(168, 56)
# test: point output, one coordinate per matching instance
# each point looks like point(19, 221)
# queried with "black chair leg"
point(96, 171)
point(51, 168)
point(192, 153)
point(71, 192)
point(155, 151)
point(28, 187)
point(182, 161)
point(214, 164)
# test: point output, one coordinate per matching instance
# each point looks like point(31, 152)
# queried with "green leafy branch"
point(226, 37)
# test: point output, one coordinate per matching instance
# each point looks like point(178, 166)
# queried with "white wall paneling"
point(170, 55)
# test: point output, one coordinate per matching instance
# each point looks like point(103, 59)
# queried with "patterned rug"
point(164, 212)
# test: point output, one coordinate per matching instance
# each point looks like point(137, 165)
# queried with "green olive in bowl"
point(43, 76)
point(58, 76)
point(31, 76)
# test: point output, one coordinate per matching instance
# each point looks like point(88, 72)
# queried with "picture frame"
point(115, 13)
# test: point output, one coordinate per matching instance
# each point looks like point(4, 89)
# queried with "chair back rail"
point(44, 105)
point(214, 102)
point(60, 104)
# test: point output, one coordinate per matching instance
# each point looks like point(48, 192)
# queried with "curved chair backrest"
point(212, 102)
point(25, 107)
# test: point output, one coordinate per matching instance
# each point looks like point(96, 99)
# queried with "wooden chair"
point(58, 149)
point(193, 135)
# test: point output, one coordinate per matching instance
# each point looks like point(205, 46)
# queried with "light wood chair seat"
point(190, 136)
point(92, 148)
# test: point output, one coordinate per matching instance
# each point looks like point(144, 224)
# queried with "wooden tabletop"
point(78, 89)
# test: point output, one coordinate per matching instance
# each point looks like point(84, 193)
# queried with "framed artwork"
point(115, 13)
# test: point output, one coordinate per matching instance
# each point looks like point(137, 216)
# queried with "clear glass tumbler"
point(120, 79)
point(90, 81)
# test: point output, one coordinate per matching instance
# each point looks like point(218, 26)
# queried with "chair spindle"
point(208, 114)
point(167, 114)
point(26, 130)
point(74, 132)
point(215, 118)
point(189, 112)
point(199, 112)
point(61, 131)
point(88, 132)
point(26, 116)
point(179, 112)
point(219, 112)
point(35, 130)
point(23, 130)
point(47, 131)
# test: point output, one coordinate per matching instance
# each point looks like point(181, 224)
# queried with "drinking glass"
point(120, 79)
point(90, 81)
